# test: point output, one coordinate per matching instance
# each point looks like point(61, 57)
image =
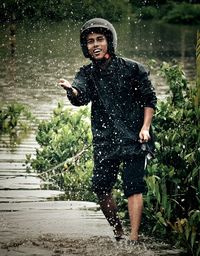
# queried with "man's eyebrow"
point(101, 36)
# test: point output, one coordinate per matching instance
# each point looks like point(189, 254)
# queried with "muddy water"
point(66, 228)
point(47, 245)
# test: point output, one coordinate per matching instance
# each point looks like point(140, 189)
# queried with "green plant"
point(15, 120)
point(147, 13)
point(64, 158)
point(173, 198)
point(177, 82)
point(183, 13)
point(147, 3)
point(62, 9)
point(172, 201)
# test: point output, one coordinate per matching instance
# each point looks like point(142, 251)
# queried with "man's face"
point(97, 45)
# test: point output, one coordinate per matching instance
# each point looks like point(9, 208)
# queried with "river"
point(46, 51)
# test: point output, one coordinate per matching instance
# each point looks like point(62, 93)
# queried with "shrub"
point(173, 198)
point(15, 118)
point(172, 203)
point(147, 13)
point(64, 158)
point(63, 9)
point(184, 13)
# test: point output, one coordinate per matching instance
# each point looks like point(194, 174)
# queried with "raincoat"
point(118, 95)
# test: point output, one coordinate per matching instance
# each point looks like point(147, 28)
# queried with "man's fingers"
point(144, 136)
point(61, 81)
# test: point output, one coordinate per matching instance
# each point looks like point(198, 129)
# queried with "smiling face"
point(97, 46)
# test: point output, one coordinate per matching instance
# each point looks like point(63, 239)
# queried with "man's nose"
point(96, 42)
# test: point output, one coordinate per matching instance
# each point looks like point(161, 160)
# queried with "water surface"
point(47, 51)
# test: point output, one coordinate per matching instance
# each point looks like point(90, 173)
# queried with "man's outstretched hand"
point(65, 84)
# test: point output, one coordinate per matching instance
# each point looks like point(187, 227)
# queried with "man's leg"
point(135, 206)
point(109, 209)
point(134, 186)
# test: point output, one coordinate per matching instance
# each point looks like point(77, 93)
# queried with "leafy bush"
point(64, 158)
point(173, 198)
point(147, 3)
point(15, 118)
point(148, 12)
point(172, 201)
point(168, 11)
point(63, 9)
point(184, 13)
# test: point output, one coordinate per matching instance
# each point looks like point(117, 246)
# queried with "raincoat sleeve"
point(81, 85)
point(146, 88)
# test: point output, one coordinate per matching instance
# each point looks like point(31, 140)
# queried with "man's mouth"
point(97, 51)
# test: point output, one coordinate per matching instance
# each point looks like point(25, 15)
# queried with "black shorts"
point(105, 174)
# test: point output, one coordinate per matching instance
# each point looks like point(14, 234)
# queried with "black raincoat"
point(118, 94)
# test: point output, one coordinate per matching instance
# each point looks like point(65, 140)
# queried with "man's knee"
point(134, 187)
point(101, 189)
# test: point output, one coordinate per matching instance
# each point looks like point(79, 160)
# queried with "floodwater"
point(45, 52)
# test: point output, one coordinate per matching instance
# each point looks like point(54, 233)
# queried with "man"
point(123, 102)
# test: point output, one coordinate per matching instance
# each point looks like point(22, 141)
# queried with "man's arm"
point(148, 116)
point(149, 98)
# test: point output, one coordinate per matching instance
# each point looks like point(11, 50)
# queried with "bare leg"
point(135, 206)
point(109, 209)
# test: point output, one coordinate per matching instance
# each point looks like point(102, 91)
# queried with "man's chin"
point(100, 57)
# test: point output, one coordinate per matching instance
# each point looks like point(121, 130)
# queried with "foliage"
point(16, 121)
point(177, 82)
point(62, 9)
point(148, 12)
point(147, 3)
point(64, 158)
point(171, 12)
point(173, 198)
point(172, 201)
point(184, 13)
point(157, 3)
point(92, 8)
point(15, 118)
